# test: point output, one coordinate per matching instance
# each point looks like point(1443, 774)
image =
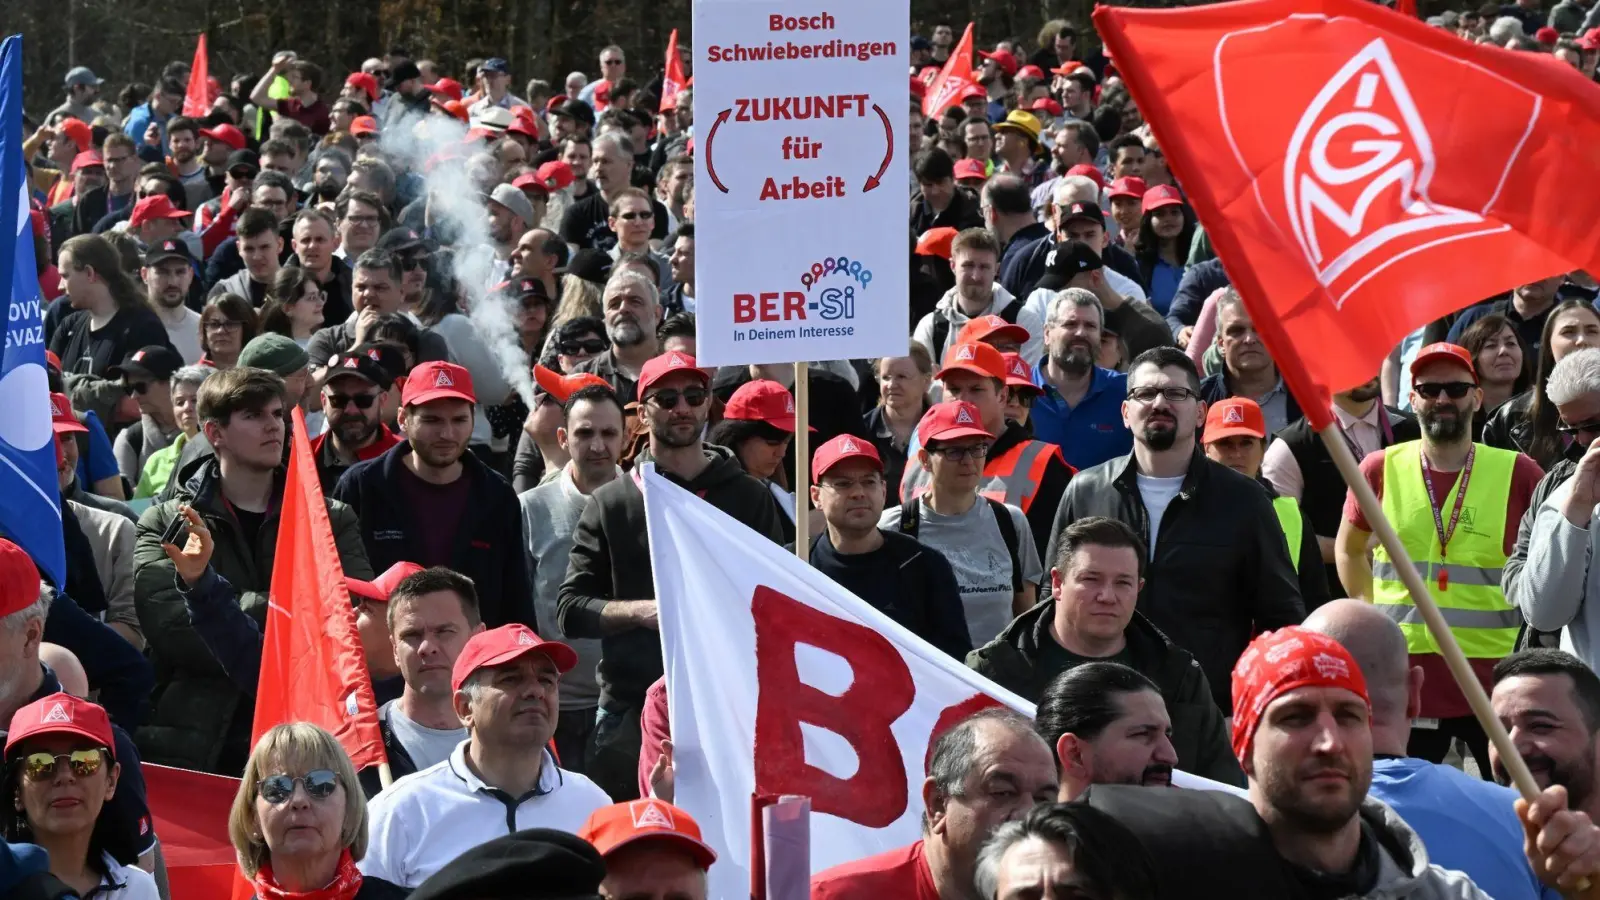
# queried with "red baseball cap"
point(1445, 351)
point(984, 327)
point(1547, 36)
point(446, 87)
point(556, 175)
point(19, 578)
point(87, 159)
point(453, 108)
point(1047, 105)
point(1161, 195)
point(61, 713)
point(432, 381)
point(937, 241)
point(225, 133)
point(1234, 416)
point(562, 387)
point(78, 131)
point(975, 357)
point(523, 126)
point(838, 450)
point(666, 364)
point(366, 81)
point(1590, 40)
point(1091, 172)
point(62, 421)
point(950, 420)
point(763, 401)
point(919, 88)
point(364, 125)
point(1018, 373)
point(501, 645)
point(610, 828)
point(1003, 59)
point(971, 168)
point(1071, 67)
point(1128, 186)
point(970, 91)
point(1031, 71)
point(155, 206)
point(381, 587)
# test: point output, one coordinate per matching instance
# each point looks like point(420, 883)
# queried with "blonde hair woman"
point(299, 821)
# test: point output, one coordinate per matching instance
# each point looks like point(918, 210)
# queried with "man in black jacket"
point(939, 202)
point(609, 592)
point(1219, 567)
point(1096, 582)
point(430, 501)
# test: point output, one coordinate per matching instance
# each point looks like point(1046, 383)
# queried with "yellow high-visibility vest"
point(1293, 526)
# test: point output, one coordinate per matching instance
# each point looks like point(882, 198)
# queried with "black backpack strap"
point(1012, 310)
point(1008, 533)
point(909, 517)
point(941, 333)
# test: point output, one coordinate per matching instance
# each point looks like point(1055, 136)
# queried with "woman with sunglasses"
point(226, 324)
point(61, 768)
point(577, 341)
point(1528, 422)
point(299, 821)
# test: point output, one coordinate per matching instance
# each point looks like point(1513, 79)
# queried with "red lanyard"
point(1462, 481)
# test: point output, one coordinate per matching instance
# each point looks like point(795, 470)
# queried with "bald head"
point(1378, 646)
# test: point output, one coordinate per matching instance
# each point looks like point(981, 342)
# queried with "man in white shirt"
point(168, 273)
point(507, 687)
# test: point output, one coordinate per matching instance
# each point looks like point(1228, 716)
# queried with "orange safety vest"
point(1014, 477)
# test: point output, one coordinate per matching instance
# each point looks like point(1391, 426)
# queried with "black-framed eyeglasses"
point(979, 451)
point(1430, 390)
point(362, 401)
point(1148, 395)
point(319, 785)
point(42, 766)
point(1572, 431)
point(135, 388)
point(588, 345)
point(668, 399)
point(224, 325)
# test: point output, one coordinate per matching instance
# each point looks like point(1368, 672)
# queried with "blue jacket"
point(1014, 257)
point(488, 547)
point(139, 119)
point(1199, 280)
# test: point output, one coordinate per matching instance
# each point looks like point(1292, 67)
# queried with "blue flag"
point(30, 496)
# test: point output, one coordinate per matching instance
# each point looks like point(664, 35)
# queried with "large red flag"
point(190, 810)
point(672, 80)
point(1346, 164)
point(197, 100)
point(956, 74)
point(312, 668)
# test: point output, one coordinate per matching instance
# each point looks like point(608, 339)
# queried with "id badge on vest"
point(1444, 533)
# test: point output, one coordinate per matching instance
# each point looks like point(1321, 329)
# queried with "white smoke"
point(457, 201)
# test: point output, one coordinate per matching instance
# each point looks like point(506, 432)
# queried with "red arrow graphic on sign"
point(711, 169)
point(888, 133)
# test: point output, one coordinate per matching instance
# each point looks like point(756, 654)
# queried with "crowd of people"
point(1085, 479)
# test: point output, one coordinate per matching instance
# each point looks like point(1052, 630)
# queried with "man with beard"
point(1070, 656)
point(184, 161)
point(510, 215)
point(1467, 824)
point(1549, 701)
point(1080, 410)
point(1108, 724)
point(1298, 466)
point(609, 592)
point(1219, 569)
point(592, 436)
point(353, 388)
point(988, 769)
point(1247, 370)
point(429, 501)
point(1445, 495)
point(632, 312)
point(168, 275)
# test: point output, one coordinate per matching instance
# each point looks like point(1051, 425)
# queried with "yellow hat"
point(1021, 121)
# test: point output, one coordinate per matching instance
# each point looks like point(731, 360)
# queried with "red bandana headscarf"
point(346, 881)
point(1278, 662)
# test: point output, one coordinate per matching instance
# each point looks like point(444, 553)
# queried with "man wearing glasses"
point(1455, 505)
point(901, 577)
point(1219, 568)
point(609, 592)
point(613, 65)
point(1548, 576)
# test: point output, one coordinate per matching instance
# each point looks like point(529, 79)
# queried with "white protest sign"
point(800, 146)
point(778, 679)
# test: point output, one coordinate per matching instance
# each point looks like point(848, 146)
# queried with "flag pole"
point(1471, 688)
point(802, 461)
point(385, 775)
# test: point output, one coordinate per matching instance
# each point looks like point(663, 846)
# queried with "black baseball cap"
point(1086, 211)
point(590, 265)
point(523, 288)
point(536, 864)
point(156, 362)
point(399, 240)
point(168, 249)
point(573, 109)
point(1066, 260)
point(361, 363)
point(244, 159)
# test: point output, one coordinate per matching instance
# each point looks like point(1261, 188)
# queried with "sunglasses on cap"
point(42, 766)
point(588, 345)
point(277, 789)
point(1455, 390)
point(668, 398)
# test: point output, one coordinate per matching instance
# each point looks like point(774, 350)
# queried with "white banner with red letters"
point(780, 680)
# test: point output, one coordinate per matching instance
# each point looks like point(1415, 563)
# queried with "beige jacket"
point(112, 538)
